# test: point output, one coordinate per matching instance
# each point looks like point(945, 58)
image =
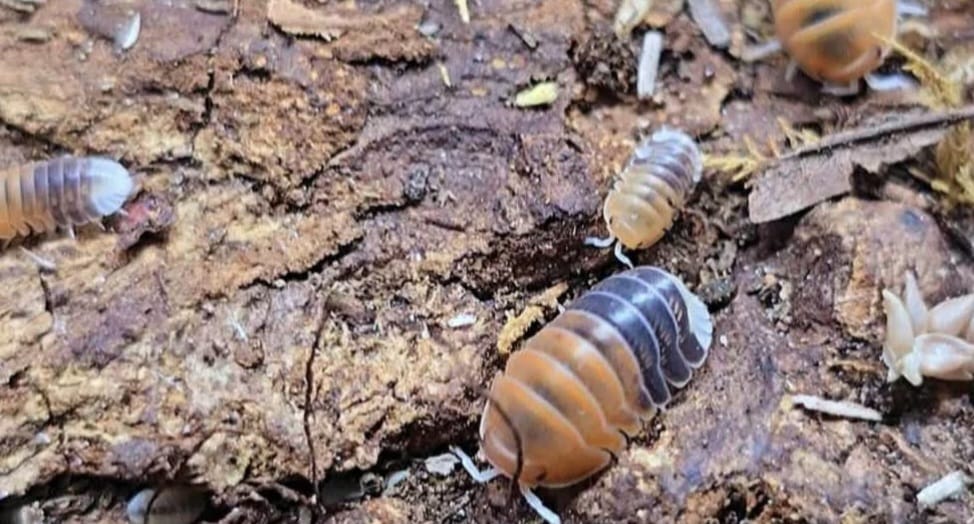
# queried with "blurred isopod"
point(650, 191)
point(566, 401)
point(63, 192)
point(837, 42)
point(176, 504)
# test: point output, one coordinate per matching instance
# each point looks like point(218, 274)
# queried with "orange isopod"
point(63, 192)
point(834, 40)
point(566, 401)
point(643, 202)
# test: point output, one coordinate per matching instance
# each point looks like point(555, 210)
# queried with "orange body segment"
point(835, 40)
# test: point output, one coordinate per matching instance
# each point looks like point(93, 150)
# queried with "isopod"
point(63, 192)
point(837, 42)
point(177, 504)
point(653, 187)
point(566, 401)
point(936, 343)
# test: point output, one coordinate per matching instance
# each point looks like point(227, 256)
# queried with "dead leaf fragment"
point(537, 95)
point(821, 171)
point(295, 19)
point(629, 15)
point(517, 326)
point(711, 21)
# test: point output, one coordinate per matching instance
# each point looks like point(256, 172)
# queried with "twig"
point(853, 136)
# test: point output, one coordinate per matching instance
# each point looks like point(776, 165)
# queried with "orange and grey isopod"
point(63, 192)
point(567, 399)
point(654, 186)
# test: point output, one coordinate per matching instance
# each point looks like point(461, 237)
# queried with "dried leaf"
point(711, 21)
point(821, 170)
point(796, 183)
point(295, 19)
point(630, 14)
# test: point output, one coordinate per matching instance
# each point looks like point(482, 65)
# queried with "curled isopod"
point(644, 200)
point(63, 192)
point(934, 342)
point(839, 42)
point(177, 504)
point(566, 400)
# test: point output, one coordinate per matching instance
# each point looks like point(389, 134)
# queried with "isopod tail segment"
point(820, 35)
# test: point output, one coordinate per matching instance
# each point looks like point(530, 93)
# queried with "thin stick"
point(847, 138)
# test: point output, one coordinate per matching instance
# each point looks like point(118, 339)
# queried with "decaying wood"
point(340, 211)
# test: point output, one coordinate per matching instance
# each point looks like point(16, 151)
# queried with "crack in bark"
point(308, 396)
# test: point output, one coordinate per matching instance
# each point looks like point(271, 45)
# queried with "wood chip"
point(464, 10)
point(649, 64)
point(821, 171)
point(517, 326)
point(837, 408)
point(461, 320)
point(630, 14)
point(950, 485)
point(217, 7)
point(295, 19)
point(711, 21)
point(537, 95)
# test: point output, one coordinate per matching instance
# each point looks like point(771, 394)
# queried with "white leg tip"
point(549, 516)
point(840, 90)
point(600, 243)
point(908, 8)
point(478, 476)
point(891, 82)
point(622, 257)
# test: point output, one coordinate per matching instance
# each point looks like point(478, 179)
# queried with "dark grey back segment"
point(638, 334)
point(662, 282)
point(656, 313)
point(646, 307)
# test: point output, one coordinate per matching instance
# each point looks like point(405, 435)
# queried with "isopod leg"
point(621, 257)
point(890, 82)
point(539, 507)
point(909, 8)
point(479, 476)
point(791, 71)
point(841, 90)
point(761, 51)
point(600, 243)
point(41, 262)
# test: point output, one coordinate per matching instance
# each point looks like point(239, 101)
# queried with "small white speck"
point(461, 320)
point(441, 464)
point(723, 340)
point(394, 479)
point(128, 32)
point(950, 485)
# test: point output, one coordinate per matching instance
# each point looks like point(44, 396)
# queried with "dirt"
point(337, 215)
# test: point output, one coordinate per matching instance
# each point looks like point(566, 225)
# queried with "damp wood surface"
point(337, 215)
